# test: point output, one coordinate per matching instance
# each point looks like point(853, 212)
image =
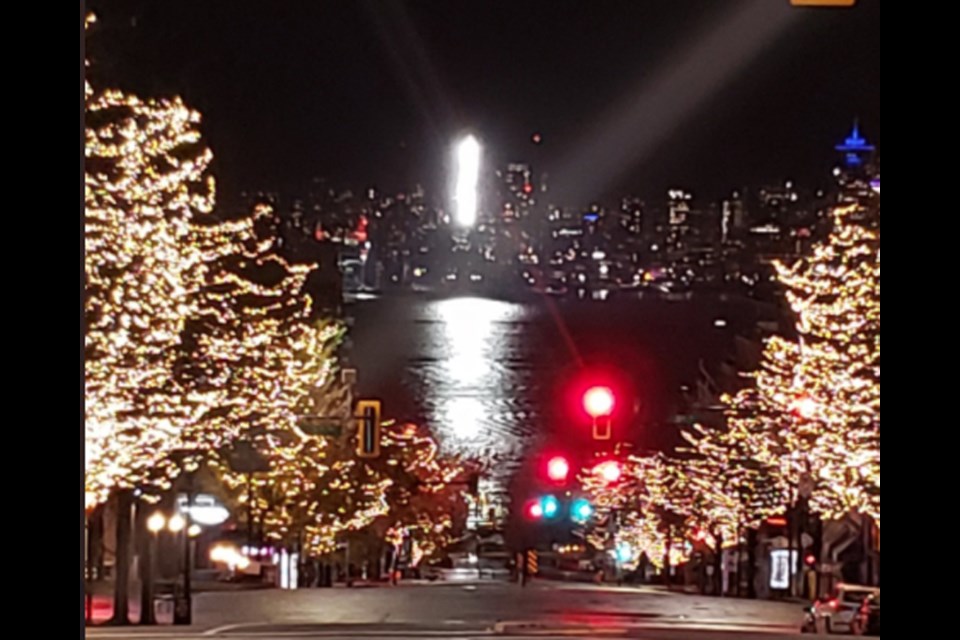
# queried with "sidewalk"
point(102, 593)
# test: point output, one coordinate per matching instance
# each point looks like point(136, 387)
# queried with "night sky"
point(628, 94)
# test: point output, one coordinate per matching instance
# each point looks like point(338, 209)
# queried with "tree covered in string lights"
point(426, 495)
point(636, 515)
point(812, 414)
point(253, 339)
point(250, 339)
point(146, 183)
point(720, 486)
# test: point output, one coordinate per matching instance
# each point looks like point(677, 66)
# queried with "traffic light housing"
point(546, 507)
point(368, 428)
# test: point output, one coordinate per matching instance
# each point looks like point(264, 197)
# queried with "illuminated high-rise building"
point(857, 169)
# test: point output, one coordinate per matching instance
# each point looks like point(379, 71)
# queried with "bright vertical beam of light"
point(468, 177)
point(629, 132)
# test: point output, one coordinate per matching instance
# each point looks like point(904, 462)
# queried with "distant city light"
point(468, 176)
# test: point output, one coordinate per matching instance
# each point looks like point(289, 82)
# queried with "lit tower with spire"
point(857, 169)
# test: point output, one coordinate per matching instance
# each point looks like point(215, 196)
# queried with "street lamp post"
point(155, 524)
point(184, 609)
point(181, 614)
point(183, 606)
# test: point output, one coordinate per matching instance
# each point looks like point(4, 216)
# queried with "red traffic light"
point(810, 560)
point(534, 510)
point(558, 469)
point(598, 402)
point(609, 471)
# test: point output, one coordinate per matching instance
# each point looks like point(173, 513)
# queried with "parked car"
point(837, 613)
point(867, 620)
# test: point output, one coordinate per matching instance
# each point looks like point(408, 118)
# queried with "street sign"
point(243, 457)
point(320, 426)
point(780, 562)
point(368, 428)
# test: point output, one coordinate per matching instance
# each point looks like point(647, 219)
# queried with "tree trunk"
point(739, 571)
point(145, 564)
point(121, 585)
point(96, 544)
point(666, 559)
point(718, 565)
point(752, 563)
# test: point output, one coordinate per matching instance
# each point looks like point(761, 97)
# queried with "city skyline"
point(386, 115)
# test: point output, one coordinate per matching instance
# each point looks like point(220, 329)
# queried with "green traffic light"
point(581, 510)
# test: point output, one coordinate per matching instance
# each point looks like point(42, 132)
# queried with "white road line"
point(232, 627)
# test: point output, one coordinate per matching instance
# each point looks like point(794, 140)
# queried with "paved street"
point(477, 610)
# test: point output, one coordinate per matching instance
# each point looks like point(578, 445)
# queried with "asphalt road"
point(461, 611)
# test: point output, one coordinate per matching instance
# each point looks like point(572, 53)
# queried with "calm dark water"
point(489, 375)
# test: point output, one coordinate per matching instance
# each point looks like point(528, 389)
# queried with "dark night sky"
point(372, 91)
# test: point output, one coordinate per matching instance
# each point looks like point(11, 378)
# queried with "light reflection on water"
point(471, 398)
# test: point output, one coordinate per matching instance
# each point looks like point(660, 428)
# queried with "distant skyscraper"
point(516, 190)
point(732, 218)
point(857, 154)
point(631, 215)
point(857, 170)
point(679, 206)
